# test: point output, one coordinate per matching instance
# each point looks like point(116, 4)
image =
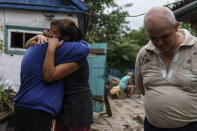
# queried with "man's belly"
point(169, 107)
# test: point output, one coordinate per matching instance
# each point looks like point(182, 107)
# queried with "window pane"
point(28, 36)
point(17, 39)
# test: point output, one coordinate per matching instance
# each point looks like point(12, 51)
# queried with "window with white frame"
point(17, 36)
point(18, 39)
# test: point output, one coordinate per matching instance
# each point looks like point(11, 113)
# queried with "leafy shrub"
point(6, 99)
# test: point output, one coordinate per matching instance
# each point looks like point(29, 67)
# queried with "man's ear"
point(176, 26)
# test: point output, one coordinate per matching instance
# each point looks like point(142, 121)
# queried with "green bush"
point(6, 99)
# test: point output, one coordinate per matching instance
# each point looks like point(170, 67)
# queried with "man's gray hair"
point(171, 18)
point(167, 13)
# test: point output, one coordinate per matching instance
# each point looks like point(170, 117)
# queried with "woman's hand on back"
point(41, 38)
point(36, 40)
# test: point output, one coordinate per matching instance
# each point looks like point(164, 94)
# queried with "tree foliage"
point(122, 54)
point(112, 28)
point(104, 27)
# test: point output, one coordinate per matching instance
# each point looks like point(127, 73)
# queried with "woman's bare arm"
point(52, 72)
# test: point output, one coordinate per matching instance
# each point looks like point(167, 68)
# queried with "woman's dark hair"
point(68, 28)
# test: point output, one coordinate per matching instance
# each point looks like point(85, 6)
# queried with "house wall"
point(10, 63)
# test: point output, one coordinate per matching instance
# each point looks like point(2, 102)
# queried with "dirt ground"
point(127, 115)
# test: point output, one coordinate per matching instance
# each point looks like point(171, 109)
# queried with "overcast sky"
point(140, 7)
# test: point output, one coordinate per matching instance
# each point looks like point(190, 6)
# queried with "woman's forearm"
point(52, 72)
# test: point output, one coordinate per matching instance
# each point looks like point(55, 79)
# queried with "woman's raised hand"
point(54, 43)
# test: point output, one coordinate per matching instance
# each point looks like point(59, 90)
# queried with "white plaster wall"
point(32, 18)
point(10, 64)
point(10, 67)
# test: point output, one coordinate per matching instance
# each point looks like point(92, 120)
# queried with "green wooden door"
point(97, 63)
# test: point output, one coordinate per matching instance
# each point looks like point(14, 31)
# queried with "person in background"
point(166, 74)
point(126, 83)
